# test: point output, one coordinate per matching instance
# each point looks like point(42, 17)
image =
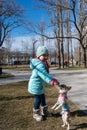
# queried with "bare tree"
point(41, 28)
point(25, 46)
point(33, 46)
point(8, 45)
point(82, 27)
point(78, 20)
point(11, 17)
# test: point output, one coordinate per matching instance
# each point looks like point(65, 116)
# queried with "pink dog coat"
point(62, 99)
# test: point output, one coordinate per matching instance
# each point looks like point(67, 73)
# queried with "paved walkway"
point(18, 76)
point(76, 79)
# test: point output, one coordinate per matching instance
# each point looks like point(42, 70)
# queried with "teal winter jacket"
point(39, 77)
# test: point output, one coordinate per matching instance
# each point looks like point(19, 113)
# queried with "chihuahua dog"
point(63, 102)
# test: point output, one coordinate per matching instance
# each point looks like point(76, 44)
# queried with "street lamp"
point(34, 48)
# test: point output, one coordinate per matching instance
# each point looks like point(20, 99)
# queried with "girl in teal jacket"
point(36, 86)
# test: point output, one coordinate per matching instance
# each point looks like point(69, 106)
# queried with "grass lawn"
point(26, 67)
point(16, 110)
point(6, 75)
point(17, 67)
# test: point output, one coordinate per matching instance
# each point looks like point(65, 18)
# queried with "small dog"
point(63, 102)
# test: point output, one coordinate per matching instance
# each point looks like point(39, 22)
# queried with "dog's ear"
point(69, 87)
point(62, 85)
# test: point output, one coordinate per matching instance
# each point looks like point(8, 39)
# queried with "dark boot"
point(45, 112)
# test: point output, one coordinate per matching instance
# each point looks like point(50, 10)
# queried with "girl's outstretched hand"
point(54, 82)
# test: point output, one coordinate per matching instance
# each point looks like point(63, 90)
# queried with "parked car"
point(53, 63)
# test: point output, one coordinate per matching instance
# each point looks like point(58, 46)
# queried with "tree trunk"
point(85, 64)
point(61, 35)
point(58, 53)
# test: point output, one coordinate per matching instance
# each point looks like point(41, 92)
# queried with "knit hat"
point(41, 50)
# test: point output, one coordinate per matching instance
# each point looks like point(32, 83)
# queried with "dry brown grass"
point(16, 110)
point(17, 67)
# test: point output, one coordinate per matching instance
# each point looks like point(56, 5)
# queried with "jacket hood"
point(34, 63)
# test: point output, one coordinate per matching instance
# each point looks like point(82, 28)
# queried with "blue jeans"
point(39, 101)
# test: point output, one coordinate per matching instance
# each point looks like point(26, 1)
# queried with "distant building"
point(7, 57)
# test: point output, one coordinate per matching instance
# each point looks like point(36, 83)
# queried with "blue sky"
point(33, 13)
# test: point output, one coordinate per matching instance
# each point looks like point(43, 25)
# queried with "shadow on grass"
point(4, 98)
point(79, 113)
point(73, 114)
point(80, 126)
point(56, 114)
